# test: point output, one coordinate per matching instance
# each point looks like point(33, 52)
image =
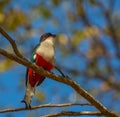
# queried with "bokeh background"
point(87, 50)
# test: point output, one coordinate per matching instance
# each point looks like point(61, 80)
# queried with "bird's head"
point(47, 37)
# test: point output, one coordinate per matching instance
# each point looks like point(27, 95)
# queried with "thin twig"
point(63, 80)
point(94, 75)
point(12, 42)
point(70, 113)
point(58, 69)
point(43, 106)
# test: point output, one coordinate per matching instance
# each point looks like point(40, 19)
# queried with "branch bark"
point(12, 42)
point(95, 75)
point(70, 113)
point(64, 80)
point(61, 79)
point(43, 106)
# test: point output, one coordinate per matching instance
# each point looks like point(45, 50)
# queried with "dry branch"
point(96, 75)
point(64, 80)
point(61, 79)
point(43, 106)
point(12, 42)
point(69, 113)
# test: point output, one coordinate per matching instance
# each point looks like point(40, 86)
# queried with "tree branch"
point(43, 106)
point(61, 79)
point(70, 113)
point(95, 75)
point(12, 42)
point(64, 80)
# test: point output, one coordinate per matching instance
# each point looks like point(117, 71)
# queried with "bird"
point(43, 56)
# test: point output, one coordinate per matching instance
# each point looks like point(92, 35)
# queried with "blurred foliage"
point(45, 13)
point(31, 115)
point(88, 42)
point(12, 19)
point(3, 3)
point(88, 32)
point(5, 65)
point(40, 96)
point(93, 2)
point(56, 2)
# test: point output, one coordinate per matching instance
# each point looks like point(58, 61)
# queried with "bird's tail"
point(30, 91)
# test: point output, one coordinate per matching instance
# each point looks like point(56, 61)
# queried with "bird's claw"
point(27, 106)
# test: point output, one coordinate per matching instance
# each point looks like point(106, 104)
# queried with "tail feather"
point(30, 91)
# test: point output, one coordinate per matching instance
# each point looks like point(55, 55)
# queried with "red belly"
point(35, 78)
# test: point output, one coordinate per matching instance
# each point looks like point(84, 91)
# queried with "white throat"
point(46, 50)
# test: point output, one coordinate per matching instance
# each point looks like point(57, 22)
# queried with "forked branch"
point(64, 80)
point(12, 42)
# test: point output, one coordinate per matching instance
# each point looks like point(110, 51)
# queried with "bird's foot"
point(27, 105)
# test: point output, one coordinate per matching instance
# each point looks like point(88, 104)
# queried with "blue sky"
point(11, 95)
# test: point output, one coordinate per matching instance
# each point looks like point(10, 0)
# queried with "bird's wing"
point(33, 57)
point(33, 60)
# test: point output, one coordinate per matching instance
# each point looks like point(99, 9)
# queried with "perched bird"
point(43, 56)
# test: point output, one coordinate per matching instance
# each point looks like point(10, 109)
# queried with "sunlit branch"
point(70, 113)
point(96, 75)
point(64, 80)
point(12, 42)
point(43, 106)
